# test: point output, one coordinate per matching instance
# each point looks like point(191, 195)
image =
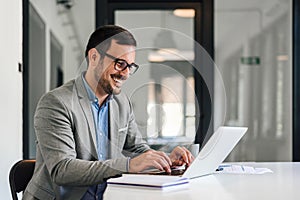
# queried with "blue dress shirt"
point(100, 114)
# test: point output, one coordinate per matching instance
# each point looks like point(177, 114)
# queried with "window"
point(253, 52)
point(162, 91)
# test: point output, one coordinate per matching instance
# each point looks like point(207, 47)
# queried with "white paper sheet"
point(241, 169)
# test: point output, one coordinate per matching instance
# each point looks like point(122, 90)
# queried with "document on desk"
point(241, 169)
point(149, 181)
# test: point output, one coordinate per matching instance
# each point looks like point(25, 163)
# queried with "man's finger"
point(165, 156)
point(184, 155)
point(190, 156)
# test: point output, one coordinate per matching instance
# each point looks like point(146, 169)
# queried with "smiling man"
point(86, 130)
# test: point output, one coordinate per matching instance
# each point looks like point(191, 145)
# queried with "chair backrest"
point(20, 175)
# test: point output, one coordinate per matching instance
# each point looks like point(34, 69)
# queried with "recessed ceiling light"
point(187, 13)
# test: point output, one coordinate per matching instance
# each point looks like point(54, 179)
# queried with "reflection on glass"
point(165, 76)
point(255, 63)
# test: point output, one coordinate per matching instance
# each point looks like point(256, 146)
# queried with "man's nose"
point(125, 72)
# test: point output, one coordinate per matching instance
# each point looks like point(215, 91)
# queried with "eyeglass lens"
point(122, 65)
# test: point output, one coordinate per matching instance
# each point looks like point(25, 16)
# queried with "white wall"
point(11, 79)
point(10, 89)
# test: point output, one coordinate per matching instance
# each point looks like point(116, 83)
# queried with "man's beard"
point(104, 83)
point(106, 86)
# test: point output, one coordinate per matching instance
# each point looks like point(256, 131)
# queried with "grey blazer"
point(66, 158)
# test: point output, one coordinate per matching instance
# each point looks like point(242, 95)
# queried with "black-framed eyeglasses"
point(121, 64)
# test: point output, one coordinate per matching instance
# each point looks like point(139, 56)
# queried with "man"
point(86, 130)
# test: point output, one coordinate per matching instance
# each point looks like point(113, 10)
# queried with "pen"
point(221, 167)
point(242, 167)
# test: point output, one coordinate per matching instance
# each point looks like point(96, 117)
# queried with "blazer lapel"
point(113, 128)
point(86, 108)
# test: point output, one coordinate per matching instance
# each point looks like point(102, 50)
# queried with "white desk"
point(283, 184)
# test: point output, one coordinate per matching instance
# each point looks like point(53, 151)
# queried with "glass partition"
point(162, 91)
point(253, 53)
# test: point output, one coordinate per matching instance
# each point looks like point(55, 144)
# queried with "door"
point(177, 107)
point(36, 70)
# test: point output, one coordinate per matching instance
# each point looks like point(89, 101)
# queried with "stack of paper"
point(241, 169)
point(149, 181)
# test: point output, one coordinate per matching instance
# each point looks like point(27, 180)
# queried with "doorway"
point(194, 121)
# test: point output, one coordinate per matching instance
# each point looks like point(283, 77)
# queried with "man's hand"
point(150, 158)
point(180, 156)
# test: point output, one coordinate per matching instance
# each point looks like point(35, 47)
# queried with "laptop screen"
point(214, 152)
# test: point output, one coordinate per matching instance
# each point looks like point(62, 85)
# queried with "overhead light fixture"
point(186, 13)
point(163, 55)
point(282, 57)
point(167, 51)
point(153, 57)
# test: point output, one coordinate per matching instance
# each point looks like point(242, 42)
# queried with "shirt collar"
point(91, 95)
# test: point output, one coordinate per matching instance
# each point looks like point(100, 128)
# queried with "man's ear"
point(94, 57)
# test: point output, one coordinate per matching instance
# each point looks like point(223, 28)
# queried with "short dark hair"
point(101, 38)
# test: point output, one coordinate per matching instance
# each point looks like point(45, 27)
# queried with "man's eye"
point(121, 64)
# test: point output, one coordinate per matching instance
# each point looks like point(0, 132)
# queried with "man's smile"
point(118, 79)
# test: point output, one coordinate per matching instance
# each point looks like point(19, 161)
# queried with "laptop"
point(214, 152)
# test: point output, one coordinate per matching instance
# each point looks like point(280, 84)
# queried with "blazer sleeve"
point(54, 128)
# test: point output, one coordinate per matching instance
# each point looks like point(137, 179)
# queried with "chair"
point(20, 175)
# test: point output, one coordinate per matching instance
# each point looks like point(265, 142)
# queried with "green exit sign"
point(253, 60)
